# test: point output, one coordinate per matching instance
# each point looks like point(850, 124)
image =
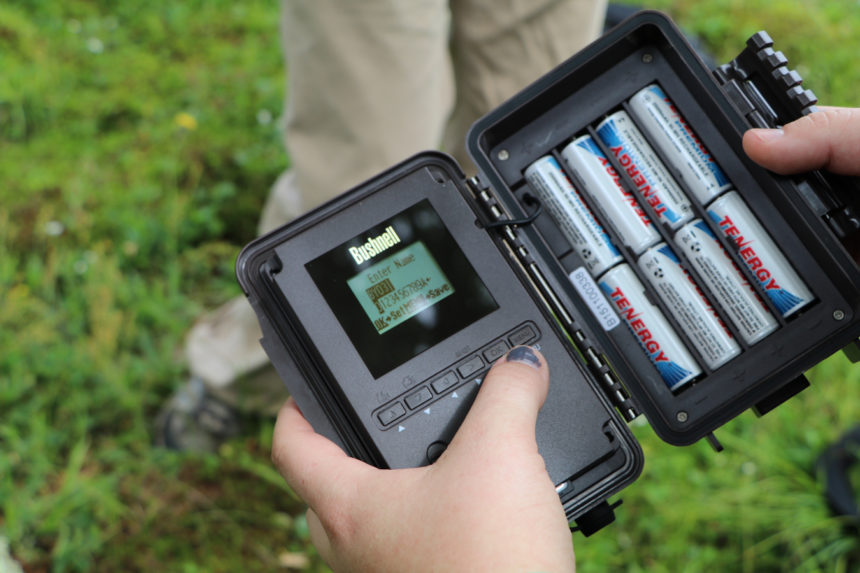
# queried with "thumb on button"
point(501, 478)
point(505, 411)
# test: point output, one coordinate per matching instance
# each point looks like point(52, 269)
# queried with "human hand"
point(487, 504)
point(827, 139)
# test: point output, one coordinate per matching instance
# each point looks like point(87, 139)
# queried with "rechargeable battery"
point(664, 126)
point(688, 306)
point(726, 282)
point(653, 332)
point(779, 281)
point(650, 177)
point(602, 183)
point(574, 218)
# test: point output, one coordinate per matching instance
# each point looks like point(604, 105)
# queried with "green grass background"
point(137, 144)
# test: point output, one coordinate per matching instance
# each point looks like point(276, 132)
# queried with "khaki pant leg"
point(370, 83)
point(501, 46)
point(223, 350)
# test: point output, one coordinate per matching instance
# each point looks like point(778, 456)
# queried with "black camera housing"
point(404, 411)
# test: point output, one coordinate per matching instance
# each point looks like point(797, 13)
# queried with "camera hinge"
point(594, 360)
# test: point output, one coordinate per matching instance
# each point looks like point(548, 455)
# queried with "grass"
point(137, 144)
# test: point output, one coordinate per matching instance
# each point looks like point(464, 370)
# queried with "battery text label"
point(640, 181)
point(628, 196)
point(669, 254)
point(694, 141)
point(631, 317)
point(747, 252)
point(591, 147)
point(591, 294)
point(375, 245)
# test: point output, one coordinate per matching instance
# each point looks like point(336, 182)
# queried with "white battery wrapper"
point(726, 283)
point(575, 220)
point(601, 182)
point(688, 306)
point(650, 177)
point(779, 281)
point(664, 126)
point(655, 335)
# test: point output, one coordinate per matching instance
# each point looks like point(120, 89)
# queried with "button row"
point(467, 369)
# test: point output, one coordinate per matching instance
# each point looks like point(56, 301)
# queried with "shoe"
point(193, 420)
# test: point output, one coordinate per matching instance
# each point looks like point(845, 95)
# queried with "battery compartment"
point(570, 102)
point(570, 259)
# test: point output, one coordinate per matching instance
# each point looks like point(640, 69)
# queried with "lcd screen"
point(401, 287)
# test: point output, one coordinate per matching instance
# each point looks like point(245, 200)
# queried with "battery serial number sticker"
point(400, 286)
point(593, 297)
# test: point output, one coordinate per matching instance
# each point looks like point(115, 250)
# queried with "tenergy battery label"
point(774, 274)
point(667, 128)
point(653, 332)
point(602, 183)
point(645, 170)
point(725, 282)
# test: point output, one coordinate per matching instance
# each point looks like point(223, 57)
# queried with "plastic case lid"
point(571, 99)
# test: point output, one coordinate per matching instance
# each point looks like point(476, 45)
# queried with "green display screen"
point(400, 286)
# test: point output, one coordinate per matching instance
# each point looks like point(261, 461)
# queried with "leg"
point(370, 83)
point(500, 47)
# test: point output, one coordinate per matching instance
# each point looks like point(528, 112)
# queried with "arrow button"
point(391, 413)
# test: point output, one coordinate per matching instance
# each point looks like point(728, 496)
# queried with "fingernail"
point(769, 134)
point(524, 355)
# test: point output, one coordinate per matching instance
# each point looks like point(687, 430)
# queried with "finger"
point(314, 466)
point(505, 410)
point(827, 139)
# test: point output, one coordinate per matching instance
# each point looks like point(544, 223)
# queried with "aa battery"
point(725, 281)
point(650, 177)
point(574, 218)
point(601, 182)
point(669, 131)
point(774, 274)
point(688, 306)
point(654, 333)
